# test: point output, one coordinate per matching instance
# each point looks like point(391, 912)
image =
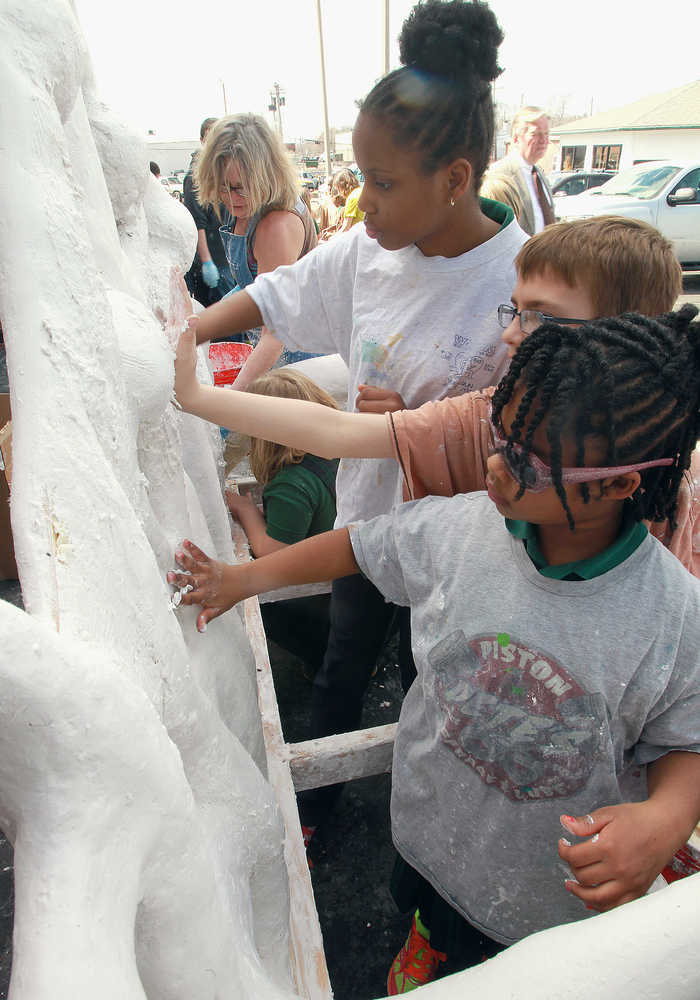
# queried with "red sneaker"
point(415, 965)
point(307, 833)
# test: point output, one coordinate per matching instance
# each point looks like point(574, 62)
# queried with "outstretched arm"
point(232, 315)
point(217, 586)
point(264, 354)
point(628, 845)
point(311, 427)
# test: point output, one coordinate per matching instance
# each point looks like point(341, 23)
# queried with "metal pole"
point(279, 109)
point(326, 131)
point(386, 37)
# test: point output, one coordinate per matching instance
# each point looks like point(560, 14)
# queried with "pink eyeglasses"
point(534, 476)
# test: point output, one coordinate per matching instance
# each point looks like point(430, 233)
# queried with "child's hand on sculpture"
point(217, 587)
point(186, 384)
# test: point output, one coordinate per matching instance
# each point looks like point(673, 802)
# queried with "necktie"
point(547, 212)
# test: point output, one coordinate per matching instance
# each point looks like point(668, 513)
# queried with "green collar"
point(496, 211)
point(631, 536)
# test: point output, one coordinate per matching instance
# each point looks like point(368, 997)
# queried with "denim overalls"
point(244, 270)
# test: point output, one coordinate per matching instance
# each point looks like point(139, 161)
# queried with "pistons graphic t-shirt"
point(534, 697)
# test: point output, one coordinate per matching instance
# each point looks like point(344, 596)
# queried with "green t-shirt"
point(298, 504)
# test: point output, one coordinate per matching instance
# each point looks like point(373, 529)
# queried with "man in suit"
point(530, 138)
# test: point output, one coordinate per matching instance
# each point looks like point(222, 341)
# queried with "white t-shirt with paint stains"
point(425, 327)
point(534, 697)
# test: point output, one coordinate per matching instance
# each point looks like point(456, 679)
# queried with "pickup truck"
point(664, 193)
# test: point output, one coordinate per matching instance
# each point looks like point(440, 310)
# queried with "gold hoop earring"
point(452, 203)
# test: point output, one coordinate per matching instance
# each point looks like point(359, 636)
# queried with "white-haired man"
point(530, 138)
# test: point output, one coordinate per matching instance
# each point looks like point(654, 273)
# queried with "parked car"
point(664, 193)
point(308, 180)
point(173, 185)
point(578, 181)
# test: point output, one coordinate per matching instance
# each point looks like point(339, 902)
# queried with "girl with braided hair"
point(643, 387)
point(557, 653)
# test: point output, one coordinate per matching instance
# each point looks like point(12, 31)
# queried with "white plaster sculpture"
point(100, 500)
point(148, 850)
point(646, 950)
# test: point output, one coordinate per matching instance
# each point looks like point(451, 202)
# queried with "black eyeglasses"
point(531, 319)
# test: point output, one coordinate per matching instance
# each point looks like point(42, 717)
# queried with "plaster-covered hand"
point(377, 399)
point(186, 383)
point(627, 847)
point(210, 274)
point(217, 586)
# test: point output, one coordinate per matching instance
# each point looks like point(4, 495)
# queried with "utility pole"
point(386, 37)
point(326, 131)
point(276, 104)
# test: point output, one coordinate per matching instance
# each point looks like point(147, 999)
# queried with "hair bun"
point(456, 39)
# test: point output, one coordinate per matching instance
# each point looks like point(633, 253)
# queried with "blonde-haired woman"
point(298, 501)
point(244, 165)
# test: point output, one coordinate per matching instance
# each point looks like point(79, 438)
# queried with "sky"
point(164, 66)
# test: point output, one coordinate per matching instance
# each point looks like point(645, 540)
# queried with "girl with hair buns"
point(409, 299)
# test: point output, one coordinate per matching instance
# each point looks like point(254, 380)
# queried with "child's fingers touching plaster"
point(204, 582)
point(206, 616)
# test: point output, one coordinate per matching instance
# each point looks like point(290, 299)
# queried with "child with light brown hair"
point(298, 502)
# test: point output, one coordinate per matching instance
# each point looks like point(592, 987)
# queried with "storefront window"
point(606, 157)
point(573, 157)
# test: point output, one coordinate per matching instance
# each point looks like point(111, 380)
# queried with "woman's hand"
point(186, 384)
point(216, 585)
point(376, 399)
point(626, 848)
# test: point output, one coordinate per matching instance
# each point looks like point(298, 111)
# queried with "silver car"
point(664, 193)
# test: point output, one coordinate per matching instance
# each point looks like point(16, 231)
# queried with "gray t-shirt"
point(534, 697)
point(425, 327)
